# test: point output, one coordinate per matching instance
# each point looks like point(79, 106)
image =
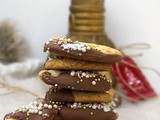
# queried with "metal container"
point(87, 22)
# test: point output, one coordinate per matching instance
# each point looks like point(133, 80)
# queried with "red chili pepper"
point(132, 80)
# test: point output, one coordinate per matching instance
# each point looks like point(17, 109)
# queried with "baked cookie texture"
point(82, 51)
point(72, 64)
point(78, 80)
point(77, 96)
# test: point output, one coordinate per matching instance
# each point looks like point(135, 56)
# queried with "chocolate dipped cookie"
point(82, 51)
point(71, 64)
point(37, 110)
point(78, 80)
point(77, 96)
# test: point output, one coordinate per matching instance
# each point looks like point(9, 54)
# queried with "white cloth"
point(21, 69)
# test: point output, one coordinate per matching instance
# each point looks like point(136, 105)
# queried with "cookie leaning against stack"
point(81, 81)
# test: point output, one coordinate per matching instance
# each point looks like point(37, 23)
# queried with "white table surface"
point(148, 110)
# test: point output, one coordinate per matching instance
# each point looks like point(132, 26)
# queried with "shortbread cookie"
point(71, 64)
point(82, 51)
point(77, 96)
point(37, 110)
point(78, 80)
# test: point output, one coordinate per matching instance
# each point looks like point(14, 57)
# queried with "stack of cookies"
point(80, 76)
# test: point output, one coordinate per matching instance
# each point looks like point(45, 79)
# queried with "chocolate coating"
point(58, 117)
point(66, 81)
point(19, 115)
point(86, 114)
point(90, 55)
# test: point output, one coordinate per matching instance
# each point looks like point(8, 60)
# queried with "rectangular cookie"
point(77, 96)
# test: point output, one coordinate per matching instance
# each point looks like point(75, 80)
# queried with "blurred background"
point(126, 22)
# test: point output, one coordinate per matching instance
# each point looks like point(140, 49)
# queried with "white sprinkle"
point(74, 105)
point(74, 48)
point(23, 106)
point(113, 104)
point(90, 106)
point(31, 110)
point(39, 108)
point(46, 115)
point(94, 107)
point(87, 76)
point(49, 106)
point(27, 107)
point(116, 99)
point(102, 106)
point(55, 106)
point(91, 113)
point(114, 111)
point(80, 54)
point(106, 108)
point(45, 105)
point(40, 113)
point(72, 73)
point(56, 85)
point(83, 49)
point(35, 111)
point(24, 110)
point(68, 40)
point(88, 48)
point(93, 82)
point(83, 74)
point(59, 42)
